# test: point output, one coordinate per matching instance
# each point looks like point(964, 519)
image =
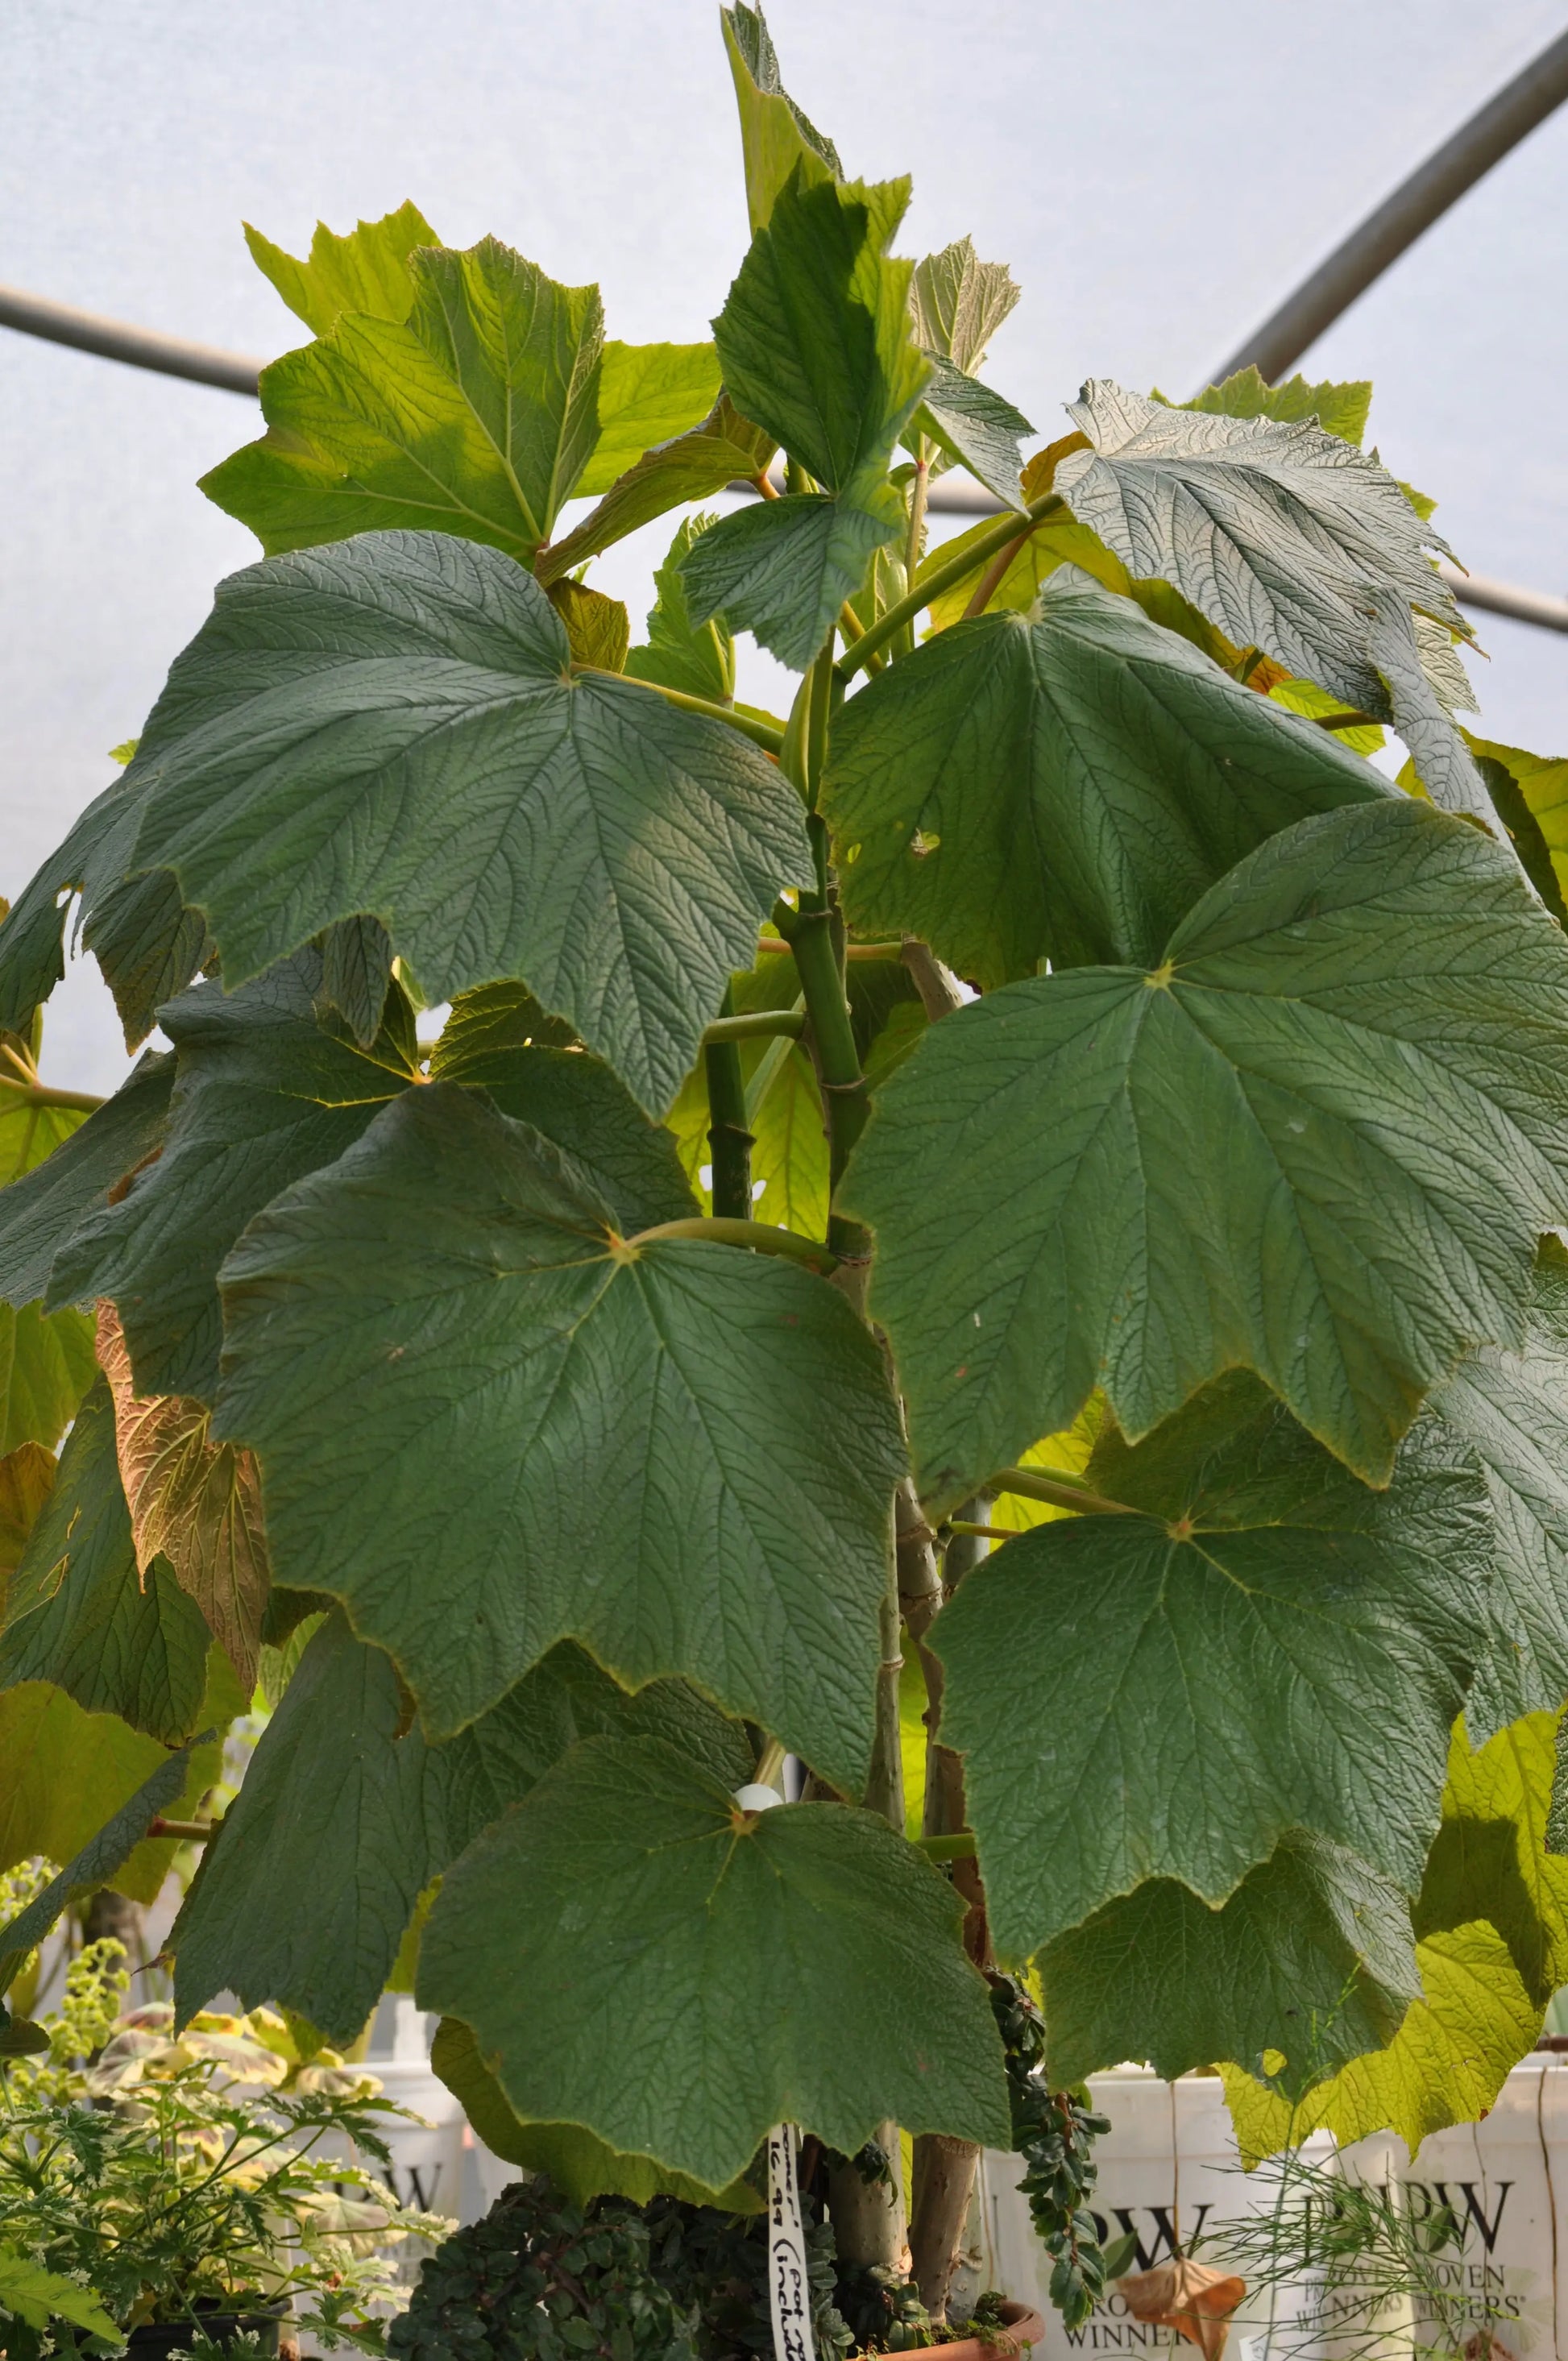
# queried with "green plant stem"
point(944, 578)
point(819, 707)
point(1062, 1491)
point(960, 1846)
point(44, 1094)
point(188, 1831)
point(914, 541)
point(726, 1231)
point(760, 733)
point(755, 1025)
point(846, 1103)
point(730, 1141)
point(1348, 721)
point(991, 581)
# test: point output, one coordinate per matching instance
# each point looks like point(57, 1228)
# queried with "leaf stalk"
point(761, 733)
point(942, 579)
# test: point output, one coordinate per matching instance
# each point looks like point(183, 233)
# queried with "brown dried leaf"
point(196, 1502)
point(1192, 2298)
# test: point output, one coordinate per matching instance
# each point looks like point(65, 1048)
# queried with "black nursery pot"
point(158, 2339)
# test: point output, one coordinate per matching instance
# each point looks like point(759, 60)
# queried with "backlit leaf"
point(696, 658)
point(652, 1904)
point(195, 1504)
point(364, 271)
point(648, 394)
point(80, 1613)
point(776, 137)
point(474, 415)
point(723, 447)
point(958, 302)
point(597, 629)
point(475, 1411)
point(1319, 1140)
point(1338, 409)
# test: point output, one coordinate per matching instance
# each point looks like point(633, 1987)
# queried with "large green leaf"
point(77, 1611)
point(816, 347)
point(776, 137)
point(1277, 531)
point(1512, 1409)
point(486, 1425)
point(475, 414)
point(1065, 787)
point(696, 658)
point(64, 1773)
point(1490, 1860)
point(353, 1815)
point(747, 1958)
point(265, 1094)
point(649, 394)
point(723, 447)
point(1311, 1957)
point(958, 302)
point(1319, 1140)
point(568, 1097)
point(100, 1861)
point(581, 2166)
point(364, 271)
point(389, 727)
point(41, 1212)
point(1265, 1645)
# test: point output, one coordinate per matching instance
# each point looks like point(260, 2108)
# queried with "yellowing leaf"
point(1445, 2065)
point(196, 1502)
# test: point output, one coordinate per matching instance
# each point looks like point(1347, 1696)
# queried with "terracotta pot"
point(1021, 2328)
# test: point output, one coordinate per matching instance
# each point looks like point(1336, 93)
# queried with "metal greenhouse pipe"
point(1509, 116)
point(115, 340)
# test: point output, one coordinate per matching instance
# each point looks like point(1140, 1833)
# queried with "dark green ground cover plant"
point(571, 1406)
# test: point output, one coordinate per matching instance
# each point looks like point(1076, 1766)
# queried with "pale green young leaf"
point(79, 1614)
point(352, 1815)
point(598, 629)
point(1306, 697)
point(648, 394)
point(1491, 1859)
point(475, 415)
point(776, 139)
point(1541, 782)
point(566, 1441)
point(1309, 1956)
point(366, 269)
point(653, 1904)
point(581, 2166)
point(958, 302)
point(45, 1367)
point(351, 711)
point(1319, 1140)
point(1196, 1668)
point(722, 449)
point(1277, 532)
point(264, 1094)
point(1339, 410)
point(1064, 788)
point(696, 658)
